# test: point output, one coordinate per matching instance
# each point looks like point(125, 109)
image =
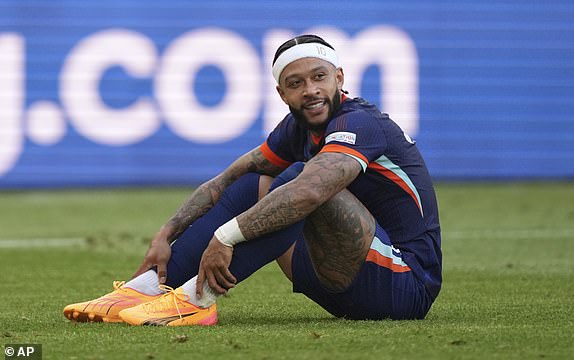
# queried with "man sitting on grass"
point(338, 194)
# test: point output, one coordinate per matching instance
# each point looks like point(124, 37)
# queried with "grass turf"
point(508, 283)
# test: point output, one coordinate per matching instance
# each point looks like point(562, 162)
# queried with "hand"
point(158, 255)
point(214, 267)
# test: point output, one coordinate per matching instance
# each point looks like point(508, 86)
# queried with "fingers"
point(227, 279)
point(219, 280)
point(214, 269)
point(143, 268)
point(161, 272)
point(199, 283)
point(157, 255)
point(215, 285)
point(218, 283)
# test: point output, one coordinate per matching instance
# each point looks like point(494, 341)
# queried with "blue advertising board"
point(125, 92)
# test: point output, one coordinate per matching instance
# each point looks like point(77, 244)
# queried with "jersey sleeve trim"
point(347, 151)
point(388, 169)
point(382, 255)
point(272, 157)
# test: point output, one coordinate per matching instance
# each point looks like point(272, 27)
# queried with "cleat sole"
point(77, 316)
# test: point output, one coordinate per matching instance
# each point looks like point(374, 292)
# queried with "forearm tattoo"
point(207, 194)
point(200, 201)
point(257, 162)
point(323, 177)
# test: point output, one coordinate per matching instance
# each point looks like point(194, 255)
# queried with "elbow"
point(308, 196)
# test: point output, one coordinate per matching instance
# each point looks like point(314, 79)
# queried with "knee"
point(264, 185)
point(242, 194)
point(287, 175)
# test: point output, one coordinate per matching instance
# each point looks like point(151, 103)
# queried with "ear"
point(340, 76)
point(281, 94)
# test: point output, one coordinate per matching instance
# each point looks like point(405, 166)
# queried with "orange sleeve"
point(272, 157)
point(343, 149)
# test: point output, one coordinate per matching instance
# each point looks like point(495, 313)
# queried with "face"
point(312, 89)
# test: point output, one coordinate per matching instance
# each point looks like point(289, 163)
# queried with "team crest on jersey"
point(342, 136)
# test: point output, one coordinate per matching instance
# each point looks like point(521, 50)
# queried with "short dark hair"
point(301, 39)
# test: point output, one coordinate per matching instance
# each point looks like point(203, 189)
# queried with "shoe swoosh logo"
point(166, 320)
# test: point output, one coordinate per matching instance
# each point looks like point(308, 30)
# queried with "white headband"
point(314, 50)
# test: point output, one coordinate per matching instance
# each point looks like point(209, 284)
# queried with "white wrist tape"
point(229, 233)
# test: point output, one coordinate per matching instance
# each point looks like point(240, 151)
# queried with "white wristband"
point(229, 233)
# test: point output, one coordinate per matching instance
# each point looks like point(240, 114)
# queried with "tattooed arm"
point(323, 176)
point(200, 201)
point(207, 194)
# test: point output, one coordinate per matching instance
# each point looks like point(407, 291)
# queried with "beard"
point(334, 104)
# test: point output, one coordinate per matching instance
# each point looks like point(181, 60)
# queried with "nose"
point(310, 89)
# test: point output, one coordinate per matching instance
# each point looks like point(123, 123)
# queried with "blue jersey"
point(394, 185)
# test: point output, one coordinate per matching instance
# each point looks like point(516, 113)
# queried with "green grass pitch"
point(508, 288)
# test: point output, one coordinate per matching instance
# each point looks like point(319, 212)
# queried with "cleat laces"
point(118, 284)
point(168, 300)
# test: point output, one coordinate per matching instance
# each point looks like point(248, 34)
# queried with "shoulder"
point(358, 114)
point(287, 126)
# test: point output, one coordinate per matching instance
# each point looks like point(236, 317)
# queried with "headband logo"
point(300, 51)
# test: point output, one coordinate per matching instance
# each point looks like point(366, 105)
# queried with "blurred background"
point(124, 92)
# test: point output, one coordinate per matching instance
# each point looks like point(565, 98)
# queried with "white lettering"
point(45, 123)
point(11, 99)
point(249, 85)
point(240, 105)
point(395, 53)
point(80, 79)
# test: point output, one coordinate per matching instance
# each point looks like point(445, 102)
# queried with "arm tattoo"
point(339, 234)
point(207, 194)
point(200, 201)
point(257, 162)
point(323, 177)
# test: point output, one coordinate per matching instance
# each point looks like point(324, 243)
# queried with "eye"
point(320, 76)
point(293, 83)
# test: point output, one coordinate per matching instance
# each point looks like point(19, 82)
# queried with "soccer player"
point(338, 194)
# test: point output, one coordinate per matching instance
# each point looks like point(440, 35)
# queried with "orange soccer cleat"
point(171, 309)
point(107, 307)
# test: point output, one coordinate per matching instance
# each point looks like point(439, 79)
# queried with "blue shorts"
point(385, 287)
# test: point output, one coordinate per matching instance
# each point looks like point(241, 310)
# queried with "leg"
point(284, 261)
point(248, 257)
point(338, 235)
point(186, 251)
point(347, 265)
point(384, 287)
point(184, 261)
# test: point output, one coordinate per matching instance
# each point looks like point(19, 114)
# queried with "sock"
point(146, 283)
point(209, 296)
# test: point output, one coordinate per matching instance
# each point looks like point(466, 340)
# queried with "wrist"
point(164, 234)
point(229, 233)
